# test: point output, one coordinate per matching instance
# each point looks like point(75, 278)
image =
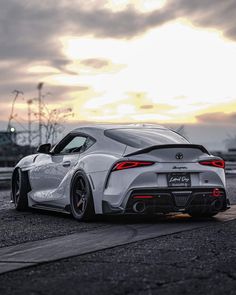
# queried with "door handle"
point(66, 164)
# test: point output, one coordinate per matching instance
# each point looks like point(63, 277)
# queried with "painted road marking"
point(33, 253)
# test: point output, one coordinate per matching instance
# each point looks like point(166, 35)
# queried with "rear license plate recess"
point(179, 179)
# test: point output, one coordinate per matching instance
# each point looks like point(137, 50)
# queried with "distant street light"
point(17, 93)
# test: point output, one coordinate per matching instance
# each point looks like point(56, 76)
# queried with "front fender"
point(27, 162)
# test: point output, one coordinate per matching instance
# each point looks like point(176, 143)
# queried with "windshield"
point(141, 138)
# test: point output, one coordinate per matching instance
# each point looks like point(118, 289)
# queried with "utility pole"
point(39, 87)
point(29, 102)
point(17, 93)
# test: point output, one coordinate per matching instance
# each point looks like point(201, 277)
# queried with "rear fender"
point(98, 162)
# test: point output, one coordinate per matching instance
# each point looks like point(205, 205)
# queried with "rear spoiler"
point(169, 146)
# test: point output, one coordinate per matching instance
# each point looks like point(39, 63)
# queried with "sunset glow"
point(152, 66)
point(178, 66)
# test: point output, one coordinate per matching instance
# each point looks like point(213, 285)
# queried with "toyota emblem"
point(179, 156)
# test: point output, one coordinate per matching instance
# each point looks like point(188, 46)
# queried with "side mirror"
point(44, 148)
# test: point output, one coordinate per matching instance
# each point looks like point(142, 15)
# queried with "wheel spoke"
point(16, 191)
point(82, 185)
point(78, 192)
point(80, 203)
point(17, 197)
point(80, 195)
point(84, 205)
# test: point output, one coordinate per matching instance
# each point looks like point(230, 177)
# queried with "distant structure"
point(7, 137)
point(230, 142)
point(15, 144)
point(10, 151)
point(229, 155)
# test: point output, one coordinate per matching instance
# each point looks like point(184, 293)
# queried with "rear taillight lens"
point(130, 164)
point(216, 193)
point(214, 163)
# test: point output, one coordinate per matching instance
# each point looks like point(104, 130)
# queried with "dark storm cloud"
point(217, 117)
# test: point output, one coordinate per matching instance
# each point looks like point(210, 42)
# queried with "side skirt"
point(51, 208)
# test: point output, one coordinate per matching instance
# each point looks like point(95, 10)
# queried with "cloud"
point(62, 64)
point(217, 118)
point(30, 30)
point(147, 106)
point(216, 14)
point(54, 93)
point(95, 63)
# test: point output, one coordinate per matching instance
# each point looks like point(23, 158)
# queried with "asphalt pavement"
point(200, 261)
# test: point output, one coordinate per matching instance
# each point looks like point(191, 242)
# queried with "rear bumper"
point(167, 200)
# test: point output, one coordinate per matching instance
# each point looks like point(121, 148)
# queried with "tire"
point(81, 198)
point(20, 188)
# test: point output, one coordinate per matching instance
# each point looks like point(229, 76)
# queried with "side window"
point(88, 143)
point(74, 145)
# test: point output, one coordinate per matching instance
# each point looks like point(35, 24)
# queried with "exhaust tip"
point(139, 207)
point(216, 205)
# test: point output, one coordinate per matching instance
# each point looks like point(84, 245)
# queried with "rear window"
point(141, 138)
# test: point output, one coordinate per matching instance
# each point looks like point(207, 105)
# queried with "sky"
point(170, 62)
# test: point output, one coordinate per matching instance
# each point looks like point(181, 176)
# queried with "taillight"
point(130, 164)
point(216, 193)
point(214, 163)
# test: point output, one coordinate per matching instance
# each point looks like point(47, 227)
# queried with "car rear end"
point(164, 178)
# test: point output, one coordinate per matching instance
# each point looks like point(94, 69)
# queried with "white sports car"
point(121, 169)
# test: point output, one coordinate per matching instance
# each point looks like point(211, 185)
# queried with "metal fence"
point(230, 167)
point(5, 173)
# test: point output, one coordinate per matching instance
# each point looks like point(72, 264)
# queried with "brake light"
point(143, 197)
point(214, 163)
point(130, 164)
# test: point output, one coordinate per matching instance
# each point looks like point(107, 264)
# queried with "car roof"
point(104, 127)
